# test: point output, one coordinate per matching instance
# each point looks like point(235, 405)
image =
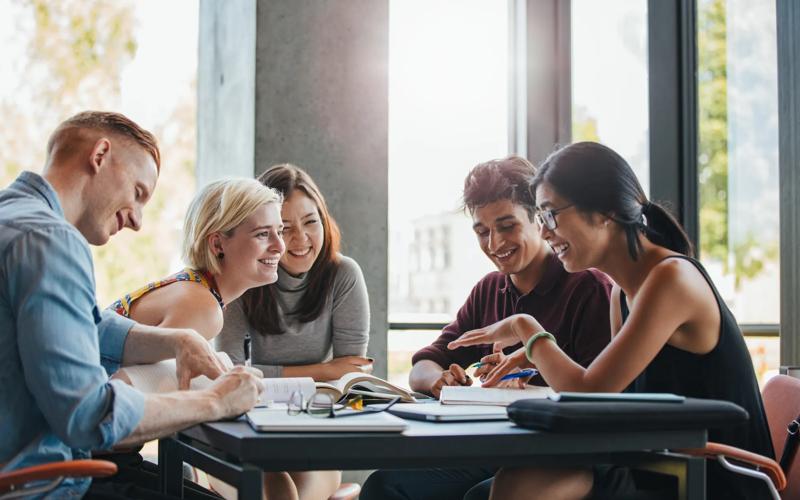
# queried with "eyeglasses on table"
point(322, 405)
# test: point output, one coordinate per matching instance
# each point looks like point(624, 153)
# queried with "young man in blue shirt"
point(57, 349)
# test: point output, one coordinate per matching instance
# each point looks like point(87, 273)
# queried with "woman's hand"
point(489, 362)
point(512, 363)
point(339, 367)
point(504, 333)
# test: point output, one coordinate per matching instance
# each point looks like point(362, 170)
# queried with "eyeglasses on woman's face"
point(322, 405)
point(547, 218)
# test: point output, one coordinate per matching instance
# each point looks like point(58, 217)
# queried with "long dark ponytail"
point(595, 178)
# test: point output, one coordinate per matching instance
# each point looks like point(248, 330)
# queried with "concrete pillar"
point(305, 81)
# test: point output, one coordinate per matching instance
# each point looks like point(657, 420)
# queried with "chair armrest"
point(72, 468)
point(767, 465)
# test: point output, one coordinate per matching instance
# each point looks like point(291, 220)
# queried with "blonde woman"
point(232, 242)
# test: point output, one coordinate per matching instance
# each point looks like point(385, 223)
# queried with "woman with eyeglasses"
point(672, 332)
point(314, 321)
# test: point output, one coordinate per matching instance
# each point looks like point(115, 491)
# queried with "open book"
point(476, 395)
point(365, 385)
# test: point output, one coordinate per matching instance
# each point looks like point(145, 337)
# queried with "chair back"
point(781, 397)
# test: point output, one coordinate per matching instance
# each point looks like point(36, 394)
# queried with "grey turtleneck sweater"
point(342, 329)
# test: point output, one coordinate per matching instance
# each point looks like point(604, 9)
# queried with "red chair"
point(782, 404)
point(16, 483)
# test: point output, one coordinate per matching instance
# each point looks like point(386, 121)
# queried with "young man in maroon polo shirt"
point(529, 279)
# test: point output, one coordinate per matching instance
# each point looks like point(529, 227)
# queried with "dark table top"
point(426, 444)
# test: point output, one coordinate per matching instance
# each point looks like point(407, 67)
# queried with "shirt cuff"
point(113, 331)
point(127, 410)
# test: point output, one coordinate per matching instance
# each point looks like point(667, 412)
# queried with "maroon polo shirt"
point(572, 306)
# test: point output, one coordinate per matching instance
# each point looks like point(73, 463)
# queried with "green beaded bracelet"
point(529, 344)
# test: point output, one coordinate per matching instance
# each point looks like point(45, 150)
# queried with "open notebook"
point(475, 395)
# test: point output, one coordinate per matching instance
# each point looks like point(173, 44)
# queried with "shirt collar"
point(36, 185)
point(553, 272)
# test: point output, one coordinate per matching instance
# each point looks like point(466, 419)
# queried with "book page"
point(490, 395)
point(279, 390)
point(162, 376)
point(368, 382)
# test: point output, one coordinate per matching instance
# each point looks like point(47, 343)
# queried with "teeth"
point(560, 248)
point(302, 253)
point(504, 254)
point(269, 262)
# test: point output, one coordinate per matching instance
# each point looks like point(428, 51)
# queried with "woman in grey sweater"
point(314, 321)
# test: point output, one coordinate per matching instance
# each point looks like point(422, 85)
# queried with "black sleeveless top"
point(726, 372)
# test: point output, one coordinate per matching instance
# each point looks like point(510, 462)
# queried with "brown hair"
point(114, 123)
point(503, 179)
point(259, 304)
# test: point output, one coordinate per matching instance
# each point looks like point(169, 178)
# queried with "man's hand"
point(339, 367)
point(194, 356)
point(236, 391)
point(455, 375)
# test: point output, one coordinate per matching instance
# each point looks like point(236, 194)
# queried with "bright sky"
point(161, 72)
point(152, 82)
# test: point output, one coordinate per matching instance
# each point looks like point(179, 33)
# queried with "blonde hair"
point(219, 208)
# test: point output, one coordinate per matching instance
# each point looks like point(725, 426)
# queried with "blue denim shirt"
point(57, 349)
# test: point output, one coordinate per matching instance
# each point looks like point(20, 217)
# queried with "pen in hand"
point(528, 372)
point(247, 350)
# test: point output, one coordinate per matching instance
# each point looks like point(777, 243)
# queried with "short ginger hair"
point(104, 121)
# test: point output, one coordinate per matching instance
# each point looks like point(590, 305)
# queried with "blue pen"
point(528, 372)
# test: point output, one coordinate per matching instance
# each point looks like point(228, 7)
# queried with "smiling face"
point(508, 237)
point(579, 240)
point(124, 181)
point(303, 233)
point(253, 250)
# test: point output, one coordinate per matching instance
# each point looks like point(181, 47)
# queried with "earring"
point(221, 255)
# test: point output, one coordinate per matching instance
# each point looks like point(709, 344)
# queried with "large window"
point(448, 111)
point(738, 164)
point(140, 58)
point(609, 78)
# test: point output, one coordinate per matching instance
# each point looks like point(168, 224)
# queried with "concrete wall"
point(226, 89)
point(318, 71)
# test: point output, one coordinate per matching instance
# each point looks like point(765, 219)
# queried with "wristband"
point(529, 344)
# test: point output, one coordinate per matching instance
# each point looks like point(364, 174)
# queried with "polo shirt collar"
point(554, 270)
point(38, 186)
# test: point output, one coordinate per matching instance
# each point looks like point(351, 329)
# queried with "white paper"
point(279, 390)
point(490, 395)
point(162, 376)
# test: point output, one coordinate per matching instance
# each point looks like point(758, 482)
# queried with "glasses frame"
point(547, 218)
point(335, 410)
